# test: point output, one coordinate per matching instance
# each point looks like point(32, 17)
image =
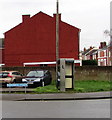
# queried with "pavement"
point(8, 95)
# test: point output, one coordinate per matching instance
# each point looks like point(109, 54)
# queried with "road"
point(56, 109)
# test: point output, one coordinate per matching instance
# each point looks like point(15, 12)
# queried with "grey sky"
point(91, 16)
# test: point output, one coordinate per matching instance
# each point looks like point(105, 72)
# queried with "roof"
point(44, 14)
point(93, 51)
point(85, 52)
point(104, 48)
point(90, 51)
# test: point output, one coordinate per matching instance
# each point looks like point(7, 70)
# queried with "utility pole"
point(111, 31)
point(57, 37)
point(111, 46)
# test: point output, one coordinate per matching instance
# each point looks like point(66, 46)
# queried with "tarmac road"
point(57, 109)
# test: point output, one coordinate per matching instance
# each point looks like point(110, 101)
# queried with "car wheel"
point(3, 85)
point(14, 81)
point(18, 80)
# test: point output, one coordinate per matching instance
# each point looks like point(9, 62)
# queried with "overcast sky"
point(91, 16)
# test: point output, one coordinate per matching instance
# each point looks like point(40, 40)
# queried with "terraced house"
point(104, 55)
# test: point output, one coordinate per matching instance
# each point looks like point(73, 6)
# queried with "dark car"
point(37, 78)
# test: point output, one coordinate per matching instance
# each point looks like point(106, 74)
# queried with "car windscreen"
point(35, 74)
point(16, 73)
point(3, 74)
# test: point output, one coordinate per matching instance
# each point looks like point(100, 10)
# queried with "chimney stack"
point(25, 18)
point(102, 44)
point(91, 47)
point(84, 49)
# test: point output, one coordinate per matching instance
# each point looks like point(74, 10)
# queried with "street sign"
point(17, 85)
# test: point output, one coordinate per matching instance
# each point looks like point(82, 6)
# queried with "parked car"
point(37, 78)
point(9, 77)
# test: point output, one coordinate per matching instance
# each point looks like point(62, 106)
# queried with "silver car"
point(9, 77)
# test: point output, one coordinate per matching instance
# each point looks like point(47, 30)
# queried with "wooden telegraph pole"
point(111, 31)
point(57, 37)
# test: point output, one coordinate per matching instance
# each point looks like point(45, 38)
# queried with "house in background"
point(104, 55)
point(34, 40)
point(90, 53)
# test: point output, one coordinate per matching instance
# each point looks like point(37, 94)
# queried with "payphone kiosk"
point(66, 71)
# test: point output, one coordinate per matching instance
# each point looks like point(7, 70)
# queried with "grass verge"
point(80, 86)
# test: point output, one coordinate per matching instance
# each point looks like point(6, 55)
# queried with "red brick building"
point(33, 40)
point(104, 55)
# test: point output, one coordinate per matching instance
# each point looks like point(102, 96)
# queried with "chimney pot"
point(91, 47)
point(84, 49)
point(101, 45)
point(104, 44)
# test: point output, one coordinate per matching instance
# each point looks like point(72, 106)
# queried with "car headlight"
point(24, 80)
point(37, 80)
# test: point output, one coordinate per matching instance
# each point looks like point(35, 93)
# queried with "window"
point(16, 73)
point(35, 74)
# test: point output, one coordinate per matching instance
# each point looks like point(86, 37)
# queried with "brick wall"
point(81, 73)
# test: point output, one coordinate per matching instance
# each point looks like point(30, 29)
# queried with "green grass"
point(92, 86)
point(80, 86)
point(46, 89)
